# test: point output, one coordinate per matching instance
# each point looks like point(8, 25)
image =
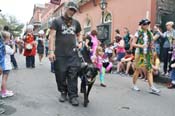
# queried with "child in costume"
point(99, 64)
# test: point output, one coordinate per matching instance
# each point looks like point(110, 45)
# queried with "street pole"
point(103, 16)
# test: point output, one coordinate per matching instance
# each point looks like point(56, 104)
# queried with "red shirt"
point(29, 40)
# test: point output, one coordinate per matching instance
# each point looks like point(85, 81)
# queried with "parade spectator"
point(93, 42)
point(127, 38)
point(40, 45)
point(117, 31)
point(143, 43)
point(157, 36)
point(127, 62)
point(109, 51)
point(156, 64)
point(13, 59)
point(2, 65)
point(172, 68)
point(120, 50)
point(63, 39)
point(107, 64)
point(46, 46)
point(169, 35)
point(29, 47)
point(8, 51)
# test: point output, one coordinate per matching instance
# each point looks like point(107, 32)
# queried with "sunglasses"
point(72, 9)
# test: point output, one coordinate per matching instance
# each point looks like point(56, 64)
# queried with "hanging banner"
point(57, 2)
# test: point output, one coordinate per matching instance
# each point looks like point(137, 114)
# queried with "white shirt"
point(8, 51)
point(145, 39)
point(108, 50)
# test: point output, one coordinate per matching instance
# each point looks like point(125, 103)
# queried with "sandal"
point(171, 86)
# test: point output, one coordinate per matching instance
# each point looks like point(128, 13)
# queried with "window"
point(108, 18)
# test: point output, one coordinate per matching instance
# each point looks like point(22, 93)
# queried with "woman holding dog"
point(143, 54)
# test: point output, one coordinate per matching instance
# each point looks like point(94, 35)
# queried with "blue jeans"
point(172, 74)
point(30, 61)
point(13, 60)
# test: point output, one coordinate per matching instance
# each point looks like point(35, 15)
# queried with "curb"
point(162, 79)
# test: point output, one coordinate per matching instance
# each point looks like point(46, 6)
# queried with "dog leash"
point(81, 57)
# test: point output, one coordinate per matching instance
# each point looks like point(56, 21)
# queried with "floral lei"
point(146, 58)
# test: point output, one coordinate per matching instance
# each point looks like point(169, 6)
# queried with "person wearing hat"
point(143, 54)
point(29, 47)
point(169, 35)
point(63, 39)
point(40, 45)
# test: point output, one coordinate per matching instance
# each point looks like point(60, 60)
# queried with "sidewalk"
point(162, 79)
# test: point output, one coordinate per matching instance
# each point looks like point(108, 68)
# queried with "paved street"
point(36, 95)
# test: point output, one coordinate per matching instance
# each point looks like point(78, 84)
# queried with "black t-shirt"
point(65, 41)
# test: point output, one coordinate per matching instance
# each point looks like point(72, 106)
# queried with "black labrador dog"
point(87, 73)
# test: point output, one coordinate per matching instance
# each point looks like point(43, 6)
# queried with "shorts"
point(6, 71)
point(120, 56)
point(110, 55)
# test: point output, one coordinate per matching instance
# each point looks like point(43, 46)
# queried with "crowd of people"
point(139, 54)
point(131, 55)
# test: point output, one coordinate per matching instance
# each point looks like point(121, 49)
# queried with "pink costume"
point(95, 44)
point(99, 65)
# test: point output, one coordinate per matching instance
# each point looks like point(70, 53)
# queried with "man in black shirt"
point(63, 39)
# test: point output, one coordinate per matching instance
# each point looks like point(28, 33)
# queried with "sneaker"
point(74, 101)
point(15, 68)
point(141, 77)
point(135, 88)
point(167, 74)
point(163, 74)
point(155, 90)
point(63, 97)
point(7, 94)
point(103, 85)
point(127, 75)
point(9, 91)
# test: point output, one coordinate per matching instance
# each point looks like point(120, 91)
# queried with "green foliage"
point(16, 28)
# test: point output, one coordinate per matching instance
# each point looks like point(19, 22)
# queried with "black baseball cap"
point(72, 5)
point(144, 22)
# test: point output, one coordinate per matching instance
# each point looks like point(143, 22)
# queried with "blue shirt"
point(2, 53)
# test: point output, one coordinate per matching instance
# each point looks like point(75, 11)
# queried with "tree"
point(16, 28)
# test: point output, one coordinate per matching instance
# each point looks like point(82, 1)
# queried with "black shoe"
point(15, 68)
point(103, 85)
point(74, 101)
point(63, 97)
